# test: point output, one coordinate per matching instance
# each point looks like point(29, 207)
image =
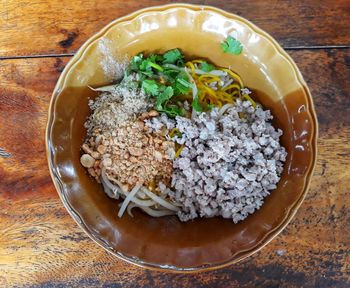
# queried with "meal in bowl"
point(182, 137)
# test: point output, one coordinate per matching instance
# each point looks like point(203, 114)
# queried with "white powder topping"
point(112, 68)
point(115, 108)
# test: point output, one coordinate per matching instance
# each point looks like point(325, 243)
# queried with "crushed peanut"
point(131, 153)
point(87, 161)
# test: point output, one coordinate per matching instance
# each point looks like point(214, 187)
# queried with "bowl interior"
point(166, 242)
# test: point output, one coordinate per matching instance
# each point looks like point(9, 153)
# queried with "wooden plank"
point(61, 26)
point(41, 246)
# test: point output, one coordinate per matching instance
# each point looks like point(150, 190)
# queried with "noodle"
point(212, 78)
point(132, 199)
point(159, 200)
point(247, 97)
point(109, 188)
point(136, 200)
point(224, 108)
point(157, 213)
point(130, 196)
point(216, 87)
point(129, 208)
point(234, 76)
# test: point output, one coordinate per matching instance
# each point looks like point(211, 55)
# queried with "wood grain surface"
point(41, 245)
point(40, 27)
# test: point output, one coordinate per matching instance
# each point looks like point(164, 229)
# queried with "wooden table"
point(40, 244)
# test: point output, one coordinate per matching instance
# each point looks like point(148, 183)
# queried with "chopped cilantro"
point(146, 68)
point(150, 87)
point(164, 97)
point(161, 82)
point(155, 58)
point(173, 111)
point(231, 46)
point(206, 67)
point(182, 84)
point(155, 66)
point(170, 74)
point(172, 56)
point(196, 105)
point(136, 61)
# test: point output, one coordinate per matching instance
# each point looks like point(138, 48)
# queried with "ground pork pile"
point(229, 163)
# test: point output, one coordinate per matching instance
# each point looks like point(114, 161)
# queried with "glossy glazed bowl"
point(165, 243)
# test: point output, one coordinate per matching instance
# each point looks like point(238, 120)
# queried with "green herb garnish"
point(155, 58)
point(136, 62)
point(206, 67)
point(150, 87)
point(182, 85)
point(146, 66)
point(162, 82)
point(155, 66)
point(231, 46)
point(161, 103)
point(170, 74)
point(196, 105)
point(172, 56)
point(173, 111)
point(164, 97)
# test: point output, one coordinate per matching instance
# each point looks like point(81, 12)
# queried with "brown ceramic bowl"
point(166, 243)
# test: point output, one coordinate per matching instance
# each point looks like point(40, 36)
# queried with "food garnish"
point(182, 137)
point(232, 46)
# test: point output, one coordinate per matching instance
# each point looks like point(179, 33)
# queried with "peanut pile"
point(131, 154)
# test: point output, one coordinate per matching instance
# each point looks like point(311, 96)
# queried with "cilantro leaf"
point(149, 74)
point(146, 71)
point(196, 105)
point(136, 61)
point(182, 84)
point(231, 46)
point(172, 56)
point(146, 68)
point(150, 87)
point(146, 65)
point(206, 67)
point(164, 97)
point(170, 74)
point(173, 111)
point(155, 58)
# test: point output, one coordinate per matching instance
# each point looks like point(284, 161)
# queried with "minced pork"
point(229, 164)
